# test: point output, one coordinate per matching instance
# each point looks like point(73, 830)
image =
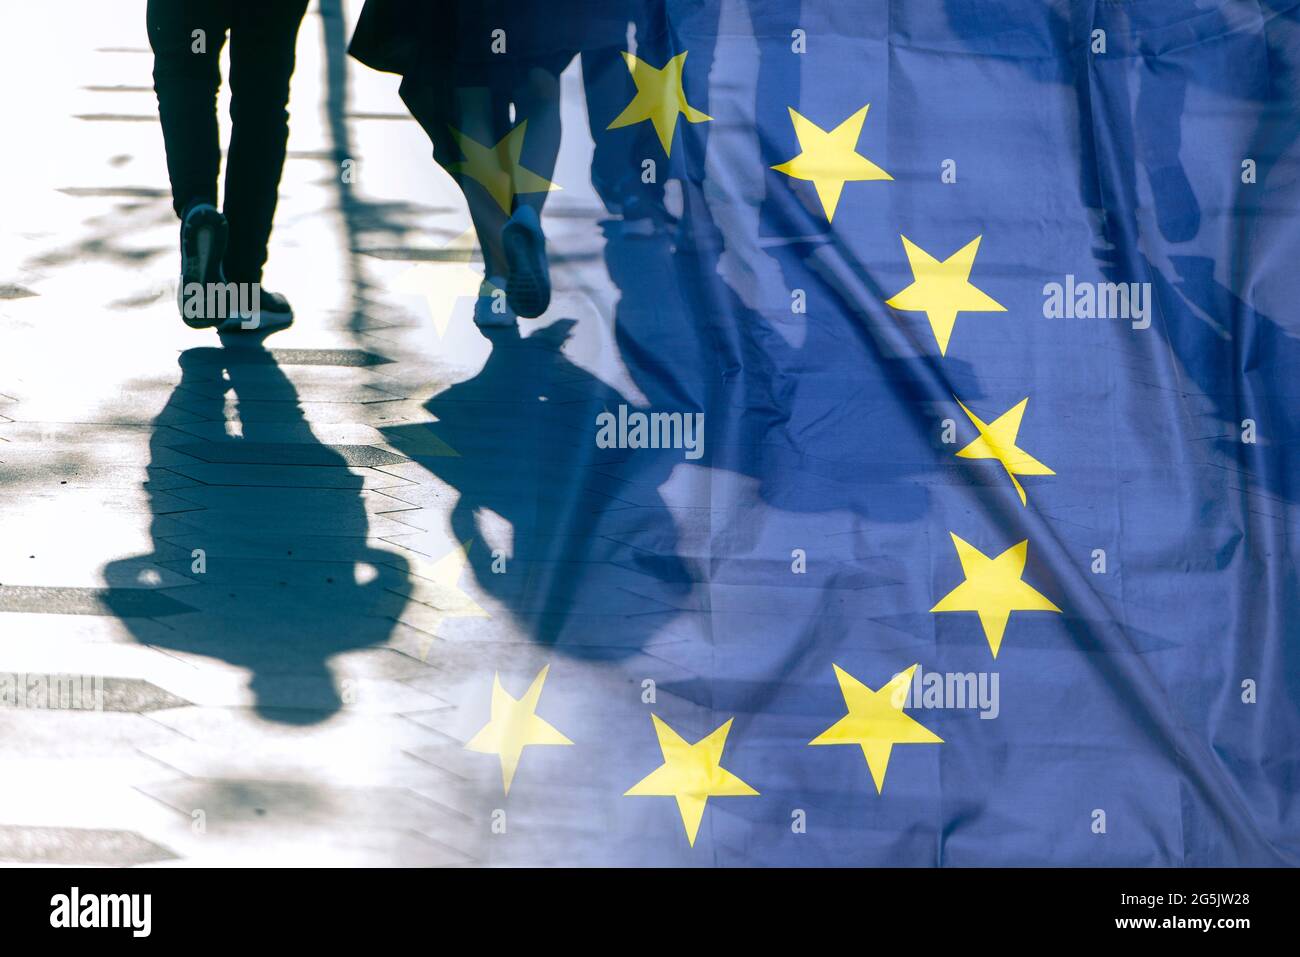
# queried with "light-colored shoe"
point(272, 311)
point(492, 310)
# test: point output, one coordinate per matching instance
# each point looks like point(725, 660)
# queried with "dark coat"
point(392, 35)
point(410, 36)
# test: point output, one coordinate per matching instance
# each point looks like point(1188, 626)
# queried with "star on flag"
point(876, 721)
point(993, 589)
point(942, 289)
point(998, 441)
point(829, 158)
point(660, 99)
point(515, 725)
point(691, 773)
point(498, 168)
point(447, 599)
point(443, 282)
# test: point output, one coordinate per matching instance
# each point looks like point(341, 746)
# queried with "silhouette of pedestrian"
point(482, 78)
point(223, 251)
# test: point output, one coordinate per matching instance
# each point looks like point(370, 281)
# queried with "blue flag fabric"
point(985, 554)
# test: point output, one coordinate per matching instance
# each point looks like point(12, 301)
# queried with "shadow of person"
point(275, 539)
point(1241, 369)
point(599, 555)
point(593, 566)
point(1234, 353)
point(1133, 117)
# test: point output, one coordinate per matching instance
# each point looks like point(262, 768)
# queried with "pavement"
point(258, 564)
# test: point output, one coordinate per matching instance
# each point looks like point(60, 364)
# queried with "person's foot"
point(270, 311)
point(528, 289)
point(491, 310)
point(651, 208)
point(203, 244)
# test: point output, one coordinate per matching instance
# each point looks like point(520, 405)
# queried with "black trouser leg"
point(263, 35)
point(186, 82)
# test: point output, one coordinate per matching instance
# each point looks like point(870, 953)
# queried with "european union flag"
point(931, 496)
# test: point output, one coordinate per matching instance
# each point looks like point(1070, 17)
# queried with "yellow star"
point(829, 160)
point(691, 773)
point(442, 282)
point(497, 168)
point(659, 99)
point(514, 726)
point(876, 721)
point(993, 589)
point(998, 441)
point(438, 592)
point(942, 289)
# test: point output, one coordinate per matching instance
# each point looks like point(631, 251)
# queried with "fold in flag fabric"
point(988, 316)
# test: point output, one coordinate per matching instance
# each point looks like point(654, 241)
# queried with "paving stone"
point(83, 846)
point(353, 358)
point(65, 435)
point(84, 692)
point(71, 500)
point(232, 500)
point(287, 476)
point(69, 562)
point(121, 602)
point(300, 804)
point(289, 453)
point(253, 543)
point(349, 433)
point(59, 635)
point(285, 526)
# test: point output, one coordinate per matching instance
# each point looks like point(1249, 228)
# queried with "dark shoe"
point(203, 245)
point(528, 286)
point(269, 311)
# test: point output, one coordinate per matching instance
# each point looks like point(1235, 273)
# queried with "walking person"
point(493, 119)
point(225, 247)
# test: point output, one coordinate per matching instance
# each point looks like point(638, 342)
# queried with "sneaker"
point(491, 310)
point(528, 289)
point(203, 245)
point(272, 312)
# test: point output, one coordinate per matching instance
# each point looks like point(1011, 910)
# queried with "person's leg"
point(465, 107)
point(439, 108)
point(263, 36)
point(617, 182)
point(535, 95)
point(186, 37)
point(481, 114)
